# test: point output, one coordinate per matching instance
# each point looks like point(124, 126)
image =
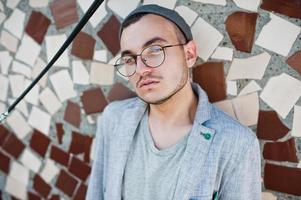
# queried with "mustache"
point(147, 77)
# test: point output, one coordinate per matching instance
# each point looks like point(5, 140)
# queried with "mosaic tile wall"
point(250, 66)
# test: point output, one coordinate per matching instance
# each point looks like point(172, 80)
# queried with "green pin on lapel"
point(207, 136)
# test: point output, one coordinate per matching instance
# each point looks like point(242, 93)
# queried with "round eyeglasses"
point(152, 56)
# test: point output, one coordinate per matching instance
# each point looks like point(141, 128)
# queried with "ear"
point(190, 53)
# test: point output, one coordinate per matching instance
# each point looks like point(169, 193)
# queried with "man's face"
point(155, 85)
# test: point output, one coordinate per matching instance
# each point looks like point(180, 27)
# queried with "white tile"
point(3, 107)
point(90, 119)
point(249, 68)
point(99, 14)
point(21, 68)
point(23, 53)
point(4, 87)
point(9, 41)
point(19, 172)
point(39, 120)
point(223, 53)
point(246, 108)
point(122, 11)
point(1, 6)
point(15, 23)
point(296, 130)
point(281, 42)
point(37, 69)
point(281, 93)
point(22, 107)
point(50, 101)
point(18, 124)
point(248, 5)
point(12, 3)
point(33, 95)
point(53, 44)
point(232, 88)
point(79, 73)
point(63, 85)
point(101, 74)
point(38, 3)
point(31, 161)
point(226, 106)
point(49, 171)
point(16, 84)
point(93, 150)
point(5, 61)
point(250, 88)
point(207, 38)
point(299, 164)
point(188, 14)
point(166, 3)
point(214, 2)
point(268, 196)
point(101, 55)
point(15, 188)
point(2, 17)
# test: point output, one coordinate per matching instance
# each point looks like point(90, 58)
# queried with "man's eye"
point(129, 60)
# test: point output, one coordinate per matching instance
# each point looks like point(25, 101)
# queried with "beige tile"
point(9, 41)
point(101, 74)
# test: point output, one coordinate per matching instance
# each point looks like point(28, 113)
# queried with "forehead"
point(148, 27)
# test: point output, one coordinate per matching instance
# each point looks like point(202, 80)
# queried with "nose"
point(142, 68)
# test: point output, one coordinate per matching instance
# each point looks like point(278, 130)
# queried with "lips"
point(147, 82)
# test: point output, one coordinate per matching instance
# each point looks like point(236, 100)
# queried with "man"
point(170, 143)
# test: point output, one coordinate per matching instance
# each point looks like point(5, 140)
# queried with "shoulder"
point(117, 107)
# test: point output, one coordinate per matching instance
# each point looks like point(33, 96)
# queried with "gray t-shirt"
point(151, 173)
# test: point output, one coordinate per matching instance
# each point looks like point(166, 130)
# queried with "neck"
point(179, 110)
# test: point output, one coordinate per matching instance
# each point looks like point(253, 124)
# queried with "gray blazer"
point(221, 161)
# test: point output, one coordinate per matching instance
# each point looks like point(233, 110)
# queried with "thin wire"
point(94, 6)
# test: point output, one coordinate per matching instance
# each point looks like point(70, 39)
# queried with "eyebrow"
point(148, 43)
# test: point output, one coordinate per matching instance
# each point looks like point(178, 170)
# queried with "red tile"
point(79, 168)
point(32, 196)
point(93, 101)
point(109, 34)
point(83, 46)
point(282, 179)
point(269, 126)
point(4, 132)
point(290, 8)
point(4, 163)
point(295, 61)
point(41, 186)
point(54, 197)
point(13, 146)
point(241, 29)
point(81, 192)
point(72, 114)
point(210, 76)
point(66, 183)
point(37, 26)
point(64, 12)
point(281, 151)
point(59, 132)
point(87, 148)
point(77, 145)
point(120, 92)
point(39, 143)
point(59, 155)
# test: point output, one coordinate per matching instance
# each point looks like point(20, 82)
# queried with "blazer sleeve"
point(243, 180)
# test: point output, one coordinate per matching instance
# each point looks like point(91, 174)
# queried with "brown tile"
point(72, 114)
point(280, 151)
point(83, 46)
point(282, 179)
point(241, 29)
point(295, 61)
point(269, 126)
point(210, 76)
point(81, 192)
point(13, 198)
point(59, 155)
point(290, 8)
point(39, 143)
point(32, 196)
point(13, 146)
point(77, 145)
point(64, 12)
point(54, 197)
point(79, 168)
point(37, 26)
point(120, 92)
point(93, 101)
point(109, 34)
point(4, 163)
point(87, 149)
point(41, 186)
point(59, 132)
point(4, 132)
point(66, 183)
